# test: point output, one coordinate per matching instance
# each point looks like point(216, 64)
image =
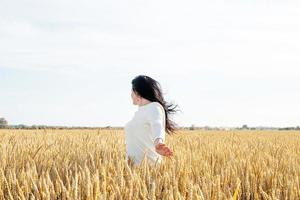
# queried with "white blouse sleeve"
point(155, 118)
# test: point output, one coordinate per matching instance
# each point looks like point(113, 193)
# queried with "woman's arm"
point(161, 148)
point(156, 119)
point(158, 140)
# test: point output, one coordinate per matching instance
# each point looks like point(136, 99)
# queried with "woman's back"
point(147, 124)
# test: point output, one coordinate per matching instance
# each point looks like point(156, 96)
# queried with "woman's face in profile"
point(134, 97)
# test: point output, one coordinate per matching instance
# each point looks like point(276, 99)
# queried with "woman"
point(145, 132)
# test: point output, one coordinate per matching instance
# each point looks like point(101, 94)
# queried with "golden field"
point(91, 164)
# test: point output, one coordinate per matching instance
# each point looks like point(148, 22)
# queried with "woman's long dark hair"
point(150, 89)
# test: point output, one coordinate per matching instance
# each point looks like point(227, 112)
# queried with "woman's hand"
point(162, 149)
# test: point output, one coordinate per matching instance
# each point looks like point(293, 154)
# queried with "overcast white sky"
point(225, 63)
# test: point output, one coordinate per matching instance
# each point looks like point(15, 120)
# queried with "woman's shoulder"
point(154, 111)
point(152, 107)
point(156, 106)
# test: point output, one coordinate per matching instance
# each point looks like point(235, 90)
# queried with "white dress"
point(147, 124)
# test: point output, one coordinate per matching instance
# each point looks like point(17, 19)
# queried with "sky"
point(224, 63)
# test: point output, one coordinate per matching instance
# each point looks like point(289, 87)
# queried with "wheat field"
point(91, 164)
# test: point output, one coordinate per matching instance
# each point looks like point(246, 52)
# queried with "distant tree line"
point(22, 126)
point(4, 125)
point(243, 127)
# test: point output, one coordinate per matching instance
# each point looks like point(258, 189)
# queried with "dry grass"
point(90, 164)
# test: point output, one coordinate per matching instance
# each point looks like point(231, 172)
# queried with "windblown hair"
point(150, 89)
